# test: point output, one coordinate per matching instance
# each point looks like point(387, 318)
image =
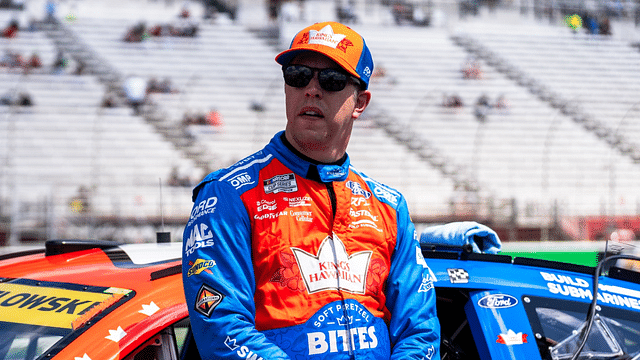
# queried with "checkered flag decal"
point(458, 276)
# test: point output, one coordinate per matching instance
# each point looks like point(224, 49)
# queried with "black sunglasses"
point(299, 76)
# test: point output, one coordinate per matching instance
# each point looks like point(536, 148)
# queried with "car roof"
point(141, 285)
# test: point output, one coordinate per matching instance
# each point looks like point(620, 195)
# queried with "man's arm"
point(414, 327)
point(218, 277)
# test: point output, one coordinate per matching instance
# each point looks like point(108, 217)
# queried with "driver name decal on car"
point(49, 306)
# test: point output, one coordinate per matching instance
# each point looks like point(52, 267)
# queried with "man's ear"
point(362, 101)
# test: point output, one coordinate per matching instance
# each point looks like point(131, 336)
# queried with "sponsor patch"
point(498, 301)
point(332, 268)
point(356, 189)
point(266, 205)
point(458, 276)
point(298, 201)
point(200, 236)
point(207, 300)
point(241, 180)
point(426, 284)
point(199, 266)
point(281, 183)
point(385, 194)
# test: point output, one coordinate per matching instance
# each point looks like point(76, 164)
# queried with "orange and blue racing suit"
point(285, 258)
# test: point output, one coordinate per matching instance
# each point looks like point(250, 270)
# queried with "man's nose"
point(313, 89)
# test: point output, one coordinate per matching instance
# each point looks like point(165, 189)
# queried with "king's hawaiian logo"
point(332, 268)
point(327, 37)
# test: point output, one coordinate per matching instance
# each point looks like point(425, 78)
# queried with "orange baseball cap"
point(336, 41)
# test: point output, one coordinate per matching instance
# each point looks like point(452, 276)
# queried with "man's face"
point(319, 122)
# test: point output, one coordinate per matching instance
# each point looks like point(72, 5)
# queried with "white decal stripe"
point(257, 161)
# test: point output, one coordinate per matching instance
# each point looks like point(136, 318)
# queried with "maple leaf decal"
point(288, 275)
point(377, 270)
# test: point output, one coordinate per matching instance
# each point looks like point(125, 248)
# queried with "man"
point(292, 253)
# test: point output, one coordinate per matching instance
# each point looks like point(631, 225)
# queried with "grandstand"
point(567, 146)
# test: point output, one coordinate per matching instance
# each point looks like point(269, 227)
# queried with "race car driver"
point(292, 253)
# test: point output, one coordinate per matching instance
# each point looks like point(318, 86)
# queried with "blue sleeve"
point(414, 327)
point(219, 280)
point(457, 234)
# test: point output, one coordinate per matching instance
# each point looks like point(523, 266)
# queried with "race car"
point(98, 300)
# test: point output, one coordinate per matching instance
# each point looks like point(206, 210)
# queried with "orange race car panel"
point(98, 304)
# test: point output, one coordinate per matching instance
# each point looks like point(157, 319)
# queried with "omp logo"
point(356, 189)
point(199, 266)
point(241, 180)
point(333, 268)
point(342, 340)
point(200, 237)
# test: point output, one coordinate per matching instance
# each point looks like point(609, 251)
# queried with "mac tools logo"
point(333, 268)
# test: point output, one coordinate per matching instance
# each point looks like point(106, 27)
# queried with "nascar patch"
point(207, 300)
point(281, 183)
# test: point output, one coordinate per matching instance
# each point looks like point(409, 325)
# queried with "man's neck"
point(288, 144)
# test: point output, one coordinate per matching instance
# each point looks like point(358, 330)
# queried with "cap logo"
point(326, 37)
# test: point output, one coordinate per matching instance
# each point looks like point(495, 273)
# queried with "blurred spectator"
point(591, 24)
point(482, 108)
point(50, 9)
point(136, 33)
point(59, 64)
point(175, 179)
point(135, 89)
point(402, 12)
point(11, 30)
point(24, 99)
point(501, 103)
point(191, 118)
point(14, 98)
point(346, 14)
point(80, 66)
point(11, 59)
point(80, 202)
point(184, 12)
point(163, 87)
point(452, 101)
point(34, 62)
point(214, 118)
point(471, 69)
point(109, 100)
point(605, 27)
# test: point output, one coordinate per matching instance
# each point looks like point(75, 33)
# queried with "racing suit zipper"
point(334, 205)
point(332, 198)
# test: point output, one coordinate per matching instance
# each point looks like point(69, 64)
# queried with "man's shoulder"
point(242, 175)
point(382, 192)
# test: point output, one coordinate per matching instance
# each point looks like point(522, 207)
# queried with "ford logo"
point(498, 301)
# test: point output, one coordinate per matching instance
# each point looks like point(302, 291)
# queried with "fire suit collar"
point(309, 168)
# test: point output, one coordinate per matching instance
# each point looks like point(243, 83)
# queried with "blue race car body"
point(499, 307)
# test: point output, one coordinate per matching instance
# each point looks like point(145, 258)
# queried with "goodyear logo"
point(46, 306)
point(199, 266)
